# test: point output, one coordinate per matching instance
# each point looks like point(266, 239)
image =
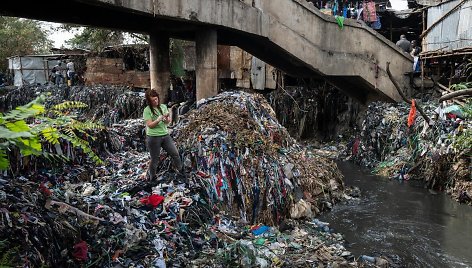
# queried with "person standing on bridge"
point(404, 44)
point(156, 117)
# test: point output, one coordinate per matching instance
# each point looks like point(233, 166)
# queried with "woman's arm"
point(153, 124)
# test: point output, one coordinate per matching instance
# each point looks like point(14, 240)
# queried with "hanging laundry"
point(369, 11)
point(340, 21)
point(376, 25)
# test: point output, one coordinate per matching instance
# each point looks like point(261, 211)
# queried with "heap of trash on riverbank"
point(397, 143)
point(251, 198)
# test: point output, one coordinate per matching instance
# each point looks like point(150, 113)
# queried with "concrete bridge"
point(291, 35)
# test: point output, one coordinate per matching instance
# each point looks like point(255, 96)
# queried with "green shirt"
point(161, 128)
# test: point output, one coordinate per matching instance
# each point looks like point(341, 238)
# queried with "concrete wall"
point(304, 33)
point(355, 50)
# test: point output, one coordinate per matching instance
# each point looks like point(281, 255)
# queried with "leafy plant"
point(234, 254)
point(461, 86)
point(49, 125)
point(463, 141)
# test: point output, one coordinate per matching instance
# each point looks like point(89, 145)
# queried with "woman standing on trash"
point(157, 117)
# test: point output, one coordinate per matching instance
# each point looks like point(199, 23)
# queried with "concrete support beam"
point(159, 68)
point(206, 65)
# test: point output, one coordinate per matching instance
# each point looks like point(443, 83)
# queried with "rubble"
point(245, 176)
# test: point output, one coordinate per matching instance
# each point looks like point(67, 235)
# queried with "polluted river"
point(401, 220)
point(252, 195)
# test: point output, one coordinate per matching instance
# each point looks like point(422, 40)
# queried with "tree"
point(95, 39)
point(21, 37)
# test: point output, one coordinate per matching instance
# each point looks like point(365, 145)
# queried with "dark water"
point(404, 219)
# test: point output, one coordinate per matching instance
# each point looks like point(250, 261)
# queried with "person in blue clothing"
point(415, 53)
point(156, 117)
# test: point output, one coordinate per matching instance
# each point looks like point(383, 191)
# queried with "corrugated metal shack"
point(36, 69)
point(446, 42)
point(448, 30)
point(32, 69)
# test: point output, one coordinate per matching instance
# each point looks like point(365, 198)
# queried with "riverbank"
point(399, 144)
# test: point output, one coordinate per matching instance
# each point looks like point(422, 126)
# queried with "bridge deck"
point(291, 35)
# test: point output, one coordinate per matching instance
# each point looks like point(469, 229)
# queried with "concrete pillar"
point(159, 68)
point(206, 65)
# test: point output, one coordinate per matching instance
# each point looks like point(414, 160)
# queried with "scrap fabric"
point(247, 161)
point(243, 171)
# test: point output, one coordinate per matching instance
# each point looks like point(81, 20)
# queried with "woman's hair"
point(149, 94)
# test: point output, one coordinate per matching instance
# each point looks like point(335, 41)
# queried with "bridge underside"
point(84, 13)
point(308, 61)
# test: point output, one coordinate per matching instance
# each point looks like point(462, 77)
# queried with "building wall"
point(233, 63)
point(111, 71)
point(452, 33)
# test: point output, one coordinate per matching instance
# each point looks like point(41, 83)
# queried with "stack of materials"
point(248, 162)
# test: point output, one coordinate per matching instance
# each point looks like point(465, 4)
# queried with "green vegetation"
point(50, 125)
point(461, 86)
point(7, 255)
point(463, 142)
point(96, 39)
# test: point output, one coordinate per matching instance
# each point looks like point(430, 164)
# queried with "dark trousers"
point(154, 144)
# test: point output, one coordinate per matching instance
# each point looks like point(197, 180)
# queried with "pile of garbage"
point(396, 143)
point(106, 104)
point(109, 104)
point(235, 141)
point(246, 178)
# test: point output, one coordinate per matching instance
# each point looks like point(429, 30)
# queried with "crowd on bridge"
point(362, 11)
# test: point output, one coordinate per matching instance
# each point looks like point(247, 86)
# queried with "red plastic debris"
point(154, 200)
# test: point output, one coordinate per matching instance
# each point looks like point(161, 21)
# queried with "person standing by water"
point(156, 116)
